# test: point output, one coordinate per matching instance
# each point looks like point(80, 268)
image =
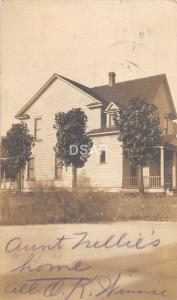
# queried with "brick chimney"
point(112, 77)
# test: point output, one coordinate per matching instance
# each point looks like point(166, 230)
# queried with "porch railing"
point(149, 182)
point(130, 182)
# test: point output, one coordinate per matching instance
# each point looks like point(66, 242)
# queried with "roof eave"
point(94, 105)
point(36, 96)
point(170, 96)
point(44, 87)
point(22, 117)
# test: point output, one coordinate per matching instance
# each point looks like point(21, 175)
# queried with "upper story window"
point(167, 126)
point(110, 110)
point(37, 129)
point(102, 156)
point(58, 169)
point(30, 174)
point(111, 120)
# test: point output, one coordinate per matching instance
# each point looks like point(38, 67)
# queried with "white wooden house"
point(106, 168)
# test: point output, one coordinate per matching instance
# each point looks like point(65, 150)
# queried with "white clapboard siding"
point(58, 97)
point(109, 174)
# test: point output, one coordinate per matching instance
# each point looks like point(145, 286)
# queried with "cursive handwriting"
point(16, 244)
point(79, 287)
point(30, 266)
point(123, 241)
point(82, 240)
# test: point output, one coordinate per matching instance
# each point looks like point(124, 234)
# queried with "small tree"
point(71, 135)
point(138, 124)
point(18, 148)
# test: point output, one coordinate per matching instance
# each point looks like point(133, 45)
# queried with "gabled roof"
point(86, 90)
point(82, 87)
point(121, 92)
point(111, 107)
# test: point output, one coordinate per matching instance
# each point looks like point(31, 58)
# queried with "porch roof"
point(103, 131)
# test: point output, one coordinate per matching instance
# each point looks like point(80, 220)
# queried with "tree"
point(73, 143)
point(138, 124)
point(18, 148)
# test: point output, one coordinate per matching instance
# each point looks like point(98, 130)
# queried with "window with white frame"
point(102, 156)
point(58, 169)
point(111, 120)
point(37, 129)
point(30, 173)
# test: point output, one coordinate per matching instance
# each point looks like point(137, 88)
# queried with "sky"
point(83, 40)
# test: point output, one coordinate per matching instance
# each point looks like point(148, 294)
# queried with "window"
point(37, 129)
point(165, 125)
point(103, 156)
point(58, 169)
point(111, 120)
point(31, 169)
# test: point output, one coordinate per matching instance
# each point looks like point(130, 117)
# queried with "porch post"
point(162, 168)
point(174, 170)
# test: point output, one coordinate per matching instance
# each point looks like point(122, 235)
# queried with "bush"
point(54, 207)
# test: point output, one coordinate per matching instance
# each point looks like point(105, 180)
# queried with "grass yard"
point(63, 207)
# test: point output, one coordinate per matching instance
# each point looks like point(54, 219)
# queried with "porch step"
point(171, 191)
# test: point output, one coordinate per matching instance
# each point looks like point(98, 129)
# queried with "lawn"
point(62, 206)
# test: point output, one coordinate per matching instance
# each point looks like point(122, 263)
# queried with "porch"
point(149, 182)
point(159, 175)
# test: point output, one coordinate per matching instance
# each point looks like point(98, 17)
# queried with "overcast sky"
point(83, 40)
